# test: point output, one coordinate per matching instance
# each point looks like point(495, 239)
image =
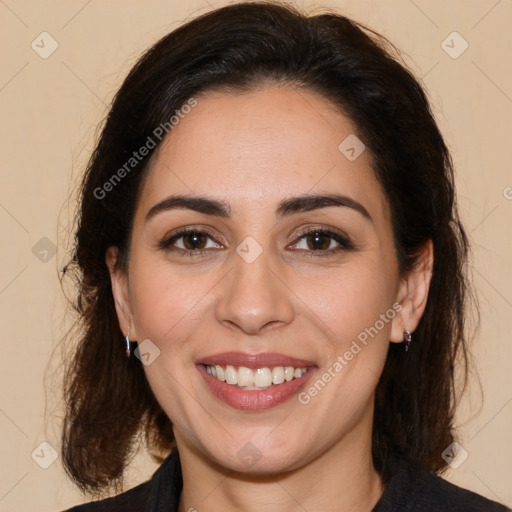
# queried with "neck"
point(343, 475)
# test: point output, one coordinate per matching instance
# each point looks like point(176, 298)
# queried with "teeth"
point(263, 377)
point(278, 375)
point(231, 375)
point(245, 377)
point(220, 373)
point(250, 379)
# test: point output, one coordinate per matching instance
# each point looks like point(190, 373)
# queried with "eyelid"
point(181, 232)
point(342, 239)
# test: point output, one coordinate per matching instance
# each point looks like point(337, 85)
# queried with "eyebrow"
point(218, 208)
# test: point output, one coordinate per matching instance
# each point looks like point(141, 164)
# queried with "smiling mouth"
point(250, 379)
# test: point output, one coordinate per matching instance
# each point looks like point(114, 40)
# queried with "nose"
point(253, 297)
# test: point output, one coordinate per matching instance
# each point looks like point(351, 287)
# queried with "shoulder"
point(132, 500)
point(160, 492)
point(448, 496)
point(415, 490)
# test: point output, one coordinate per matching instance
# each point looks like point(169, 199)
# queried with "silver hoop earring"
point(128, 352)
point(407, 339)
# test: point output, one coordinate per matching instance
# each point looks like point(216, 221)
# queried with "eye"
point(190, 241)
point(322, 242)
point(196, 242)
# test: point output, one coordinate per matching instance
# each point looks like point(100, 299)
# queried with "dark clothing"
point(409, 490)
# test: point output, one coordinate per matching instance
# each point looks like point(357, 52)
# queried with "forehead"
point(259, 147)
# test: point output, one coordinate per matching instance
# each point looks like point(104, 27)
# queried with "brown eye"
point(318, 241)
point(190, 242)
point(322, 242)
point(194, 240)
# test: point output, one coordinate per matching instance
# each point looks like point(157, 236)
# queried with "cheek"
point(350, 300)
point(168, 310)
point(166, 303)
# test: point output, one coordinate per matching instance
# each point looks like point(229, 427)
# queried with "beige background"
point(50, 109)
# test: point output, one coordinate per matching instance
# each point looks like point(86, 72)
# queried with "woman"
point(271, 277)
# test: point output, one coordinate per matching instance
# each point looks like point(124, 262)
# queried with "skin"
point(253, 150)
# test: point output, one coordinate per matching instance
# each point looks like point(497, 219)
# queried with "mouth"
point(254, 381)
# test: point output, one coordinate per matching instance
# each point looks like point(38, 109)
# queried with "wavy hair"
point(238, 48)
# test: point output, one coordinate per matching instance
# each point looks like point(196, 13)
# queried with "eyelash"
point(344, 243)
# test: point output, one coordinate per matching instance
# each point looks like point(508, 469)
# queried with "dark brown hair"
point(238, 48)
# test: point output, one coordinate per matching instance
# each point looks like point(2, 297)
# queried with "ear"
point(412, 294)
point(120, 291)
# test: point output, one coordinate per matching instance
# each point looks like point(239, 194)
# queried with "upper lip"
point(254, 361)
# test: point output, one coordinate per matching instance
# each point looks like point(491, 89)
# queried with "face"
point(263, 280)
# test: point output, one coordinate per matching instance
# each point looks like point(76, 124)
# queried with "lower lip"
point(254, 400)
